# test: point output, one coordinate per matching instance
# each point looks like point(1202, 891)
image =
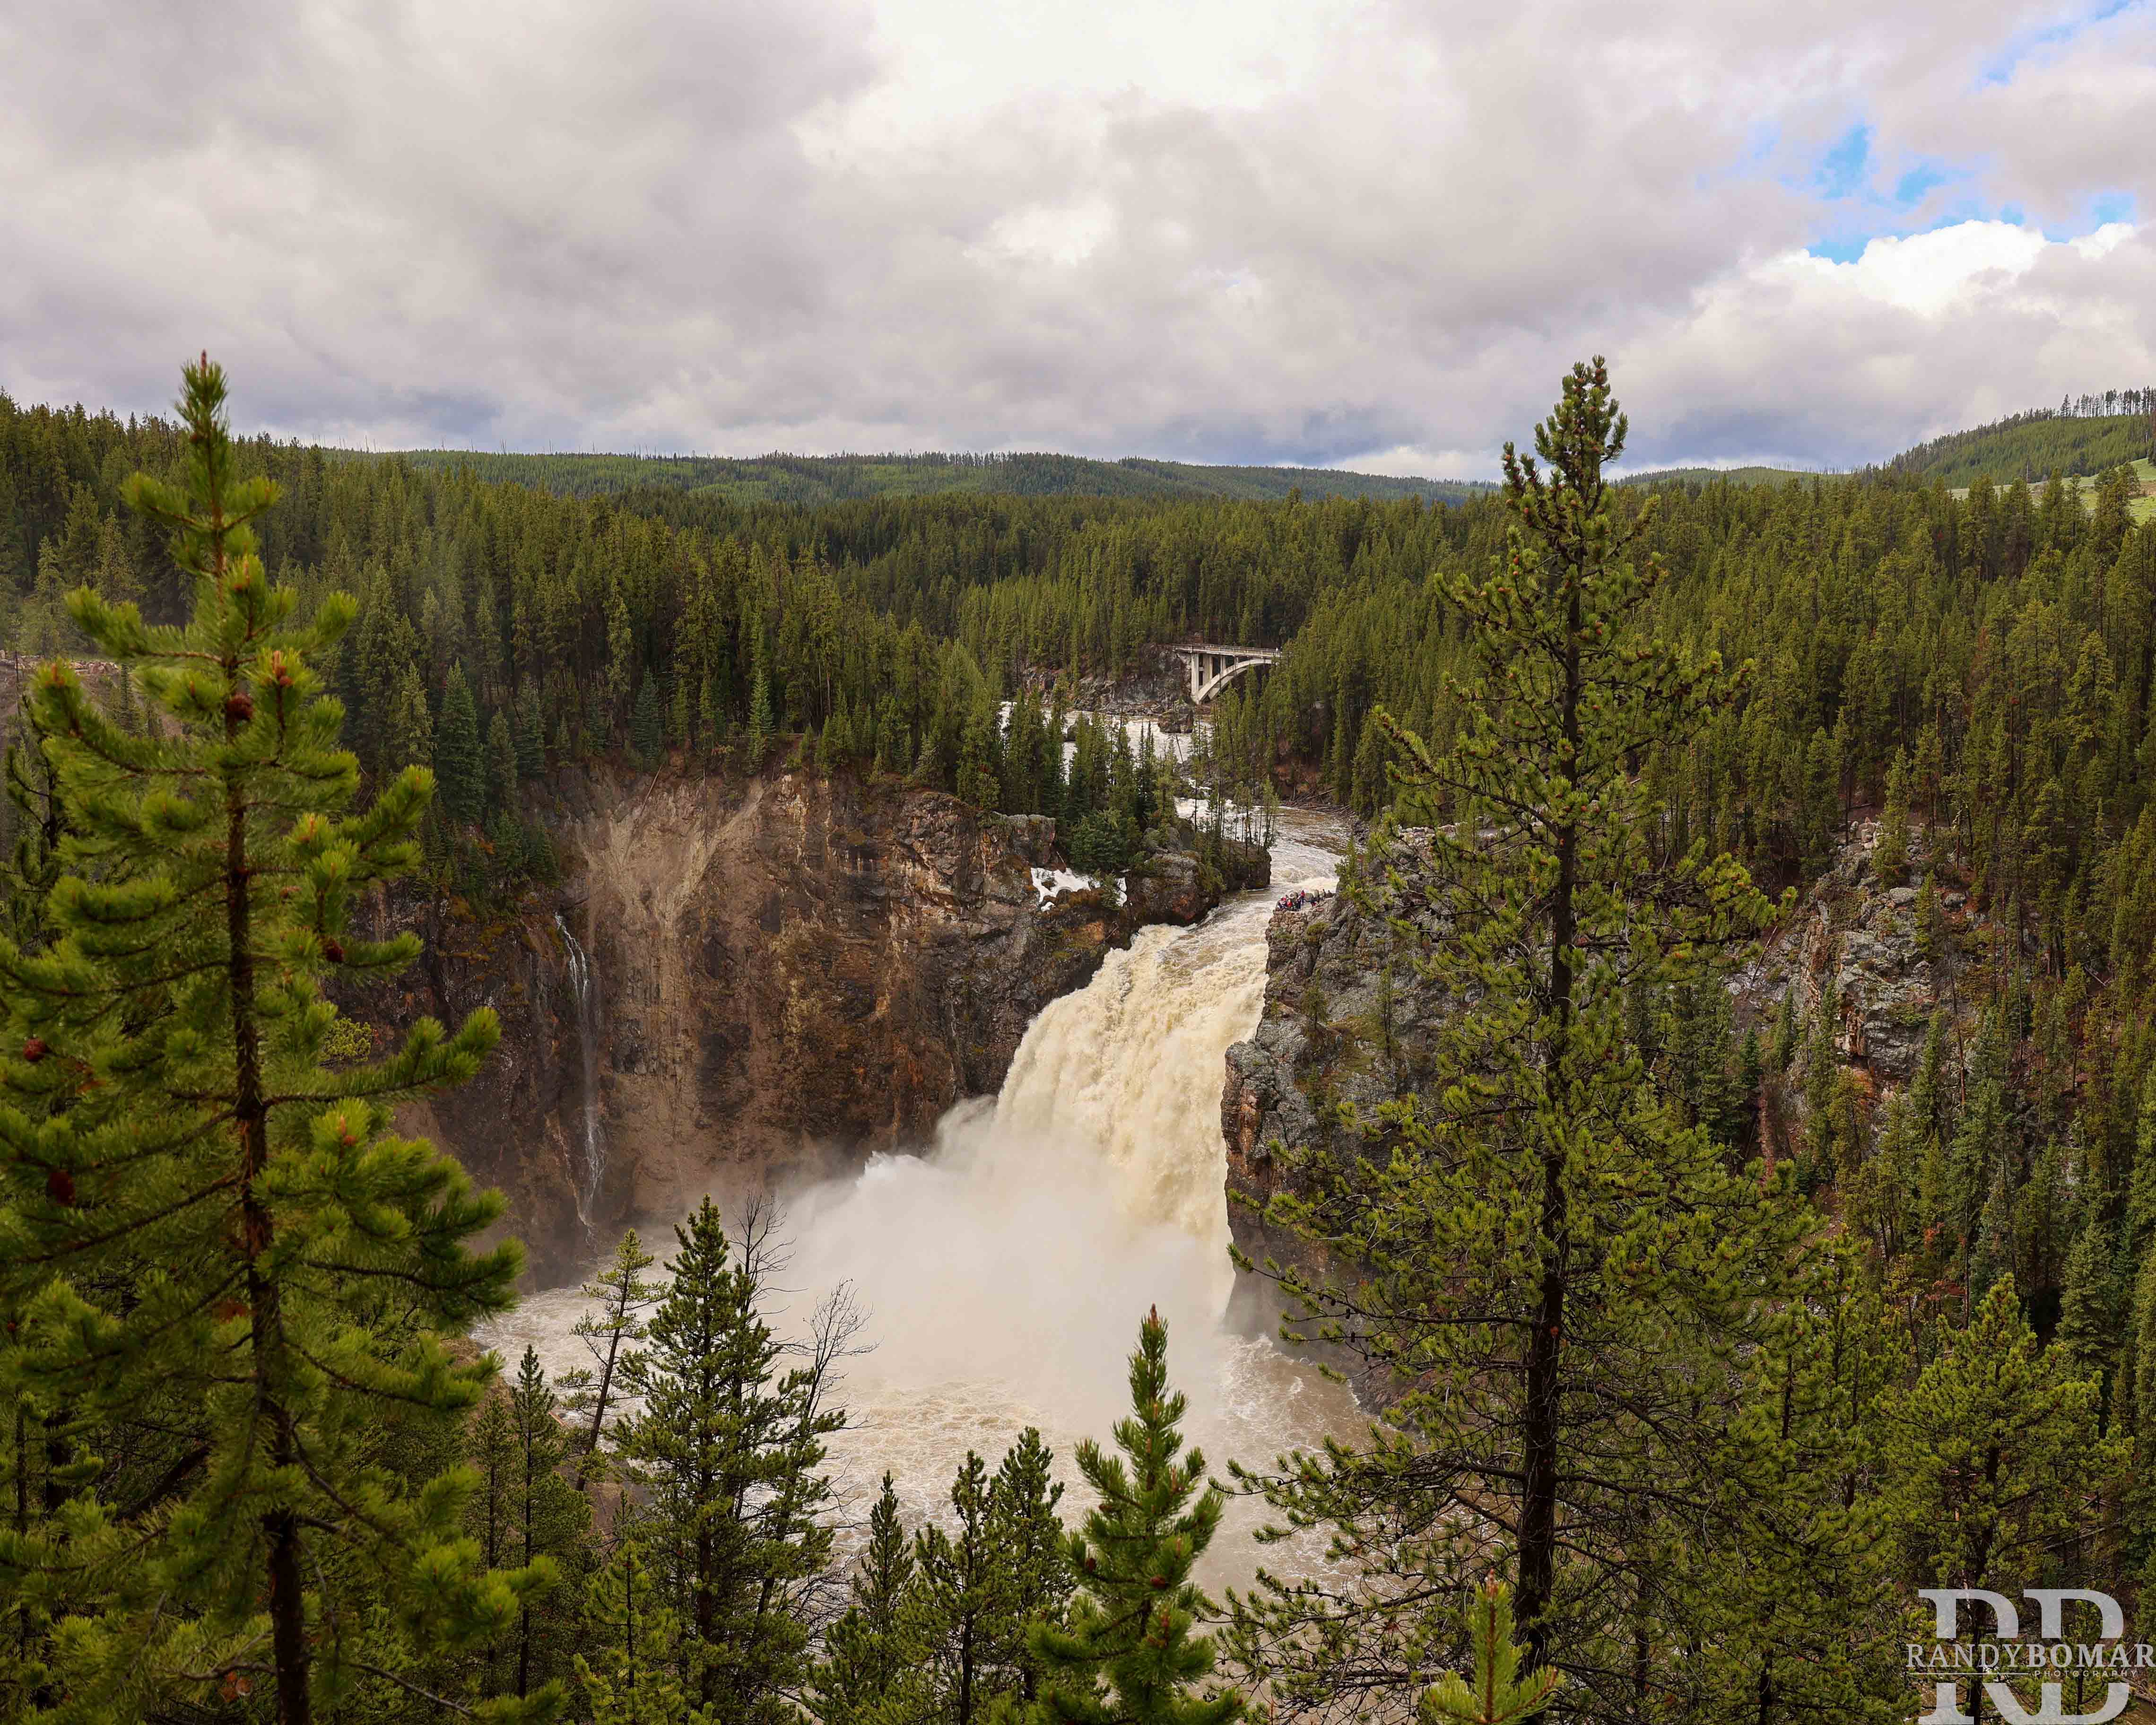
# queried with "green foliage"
point(1985, 665)
point(634, 1677)
point(939, 1629)
point(1890, 853)
point(727, 1451)
point(872, 1669)
point(646, 730)
point(216, 1260)
point(2083, 438)
point(1131, 1655)
point(1499, 1693)
point(553, 1522)
point(501, 768)
point(1557, 1272)
point(832, 479)
point(460, 763)
point(610, 1331)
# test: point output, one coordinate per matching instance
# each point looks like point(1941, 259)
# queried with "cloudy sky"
point(1334, 232)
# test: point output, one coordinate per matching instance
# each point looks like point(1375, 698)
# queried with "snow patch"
point(1049, 883)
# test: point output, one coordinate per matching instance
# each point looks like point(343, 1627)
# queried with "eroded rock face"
point(1333, 1032)
point(789, 973)
point(1346, 1021)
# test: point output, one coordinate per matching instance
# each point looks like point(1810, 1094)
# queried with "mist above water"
point(1003, 1273)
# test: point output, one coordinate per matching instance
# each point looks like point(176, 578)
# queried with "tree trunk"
point(281, 1528)
point(1545, 1345)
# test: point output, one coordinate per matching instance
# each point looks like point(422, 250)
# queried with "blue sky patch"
point(2002, 66)
point(1845, 169)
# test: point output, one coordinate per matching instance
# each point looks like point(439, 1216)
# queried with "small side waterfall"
point(584, 984)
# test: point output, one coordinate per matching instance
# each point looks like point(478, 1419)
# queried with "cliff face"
point(1335, 1030)
point(1344, 1023)
point(784, 974)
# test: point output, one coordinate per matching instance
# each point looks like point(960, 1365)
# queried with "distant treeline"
point(811, 480)
point(2082, 435)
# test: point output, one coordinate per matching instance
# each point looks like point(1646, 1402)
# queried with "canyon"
point(745, 983)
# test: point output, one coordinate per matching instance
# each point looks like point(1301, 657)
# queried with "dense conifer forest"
point(254, 1471)
point(2081, 437)
point(845, 479)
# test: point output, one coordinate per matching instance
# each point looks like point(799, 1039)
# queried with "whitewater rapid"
point(1003, 1273)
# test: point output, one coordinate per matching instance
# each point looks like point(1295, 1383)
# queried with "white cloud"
point(1949, 267)
point(1320, 230)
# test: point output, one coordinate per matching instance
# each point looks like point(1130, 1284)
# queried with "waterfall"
point(584, 984)
point(1005, 1271)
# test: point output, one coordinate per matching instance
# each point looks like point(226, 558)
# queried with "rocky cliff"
point(1346, 1025)
point(783, 974)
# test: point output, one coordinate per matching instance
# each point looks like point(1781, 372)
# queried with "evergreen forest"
point(1704, 1353)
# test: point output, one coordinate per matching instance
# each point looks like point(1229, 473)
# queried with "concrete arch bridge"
point(1210, 669)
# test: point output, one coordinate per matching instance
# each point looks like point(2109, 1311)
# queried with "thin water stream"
point(584, 984)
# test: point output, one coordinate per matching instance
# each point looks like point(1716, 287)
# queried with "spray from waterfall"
point(1003, 1273)
point(584, 986)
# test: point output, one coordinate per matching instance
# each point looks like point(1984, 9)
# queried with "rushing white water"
point(584, 984)
point(1004, 1273)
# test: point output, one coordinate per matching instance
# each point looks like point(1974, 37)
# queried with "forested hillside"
point(840, 479)
point(2003, 641)
point(1979, 670)
point(2079, 438)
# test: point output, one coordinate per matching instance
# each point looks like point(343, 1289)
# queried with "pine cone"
point(59, 1185)
point(333, 949)
point(34, 1049)
point(239, 706)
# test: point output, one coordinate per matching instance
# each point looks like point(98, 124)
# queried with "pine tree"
point(1537, 1252)
point(491, 1514)
point(622, 1295)
point(759, 721)
point(1890, 853)
point(2089, 1331)
point(553, 1521)
point(872, 1665)
point(501, 770)
point(1029, 1539)
point(647, 733)
point(1930, 922)
point(39, 822)
point(1818, 812)
point(200, 1216)
point(957, 1594)
point(459, 763)
point(729, 1446)
point(531, 734)
point(1992, 1457)
point(1130, 1654)
point(980, 761)
point(1499, 1693)
point(634, 1678)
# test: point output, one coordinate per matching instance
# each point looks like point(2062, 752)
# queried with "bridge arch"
point(1210, 668)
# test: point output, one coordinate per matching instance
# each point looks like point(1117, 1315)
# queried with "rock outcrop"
point(1855, 937)
point(1346, 1021)
point(1346, 1026)
point(788, 973)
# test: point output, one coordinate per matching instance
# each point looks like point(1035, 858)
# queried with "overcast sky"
point(1362, 234)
